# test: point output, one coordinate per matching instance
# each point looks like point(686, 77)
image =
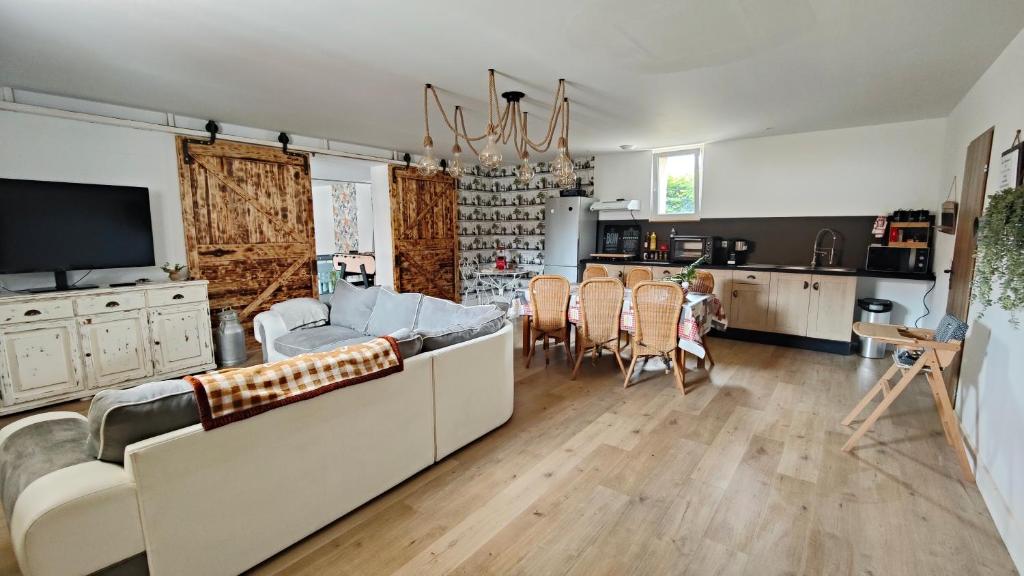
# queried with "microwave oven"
point(890, 259)
point(691, 248)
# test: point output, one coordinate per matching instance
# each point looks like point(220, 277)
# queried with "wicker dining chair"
point(600, 313)
point(704, 283)
point(595, 271)
point(638, 275)
point(656, 310)
point(549, 299)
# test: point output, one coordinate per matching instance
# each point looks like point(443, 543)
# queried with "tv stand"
point(61, 284)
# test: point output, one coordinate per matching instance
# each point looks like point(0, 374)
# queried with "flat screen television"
point(60, 226)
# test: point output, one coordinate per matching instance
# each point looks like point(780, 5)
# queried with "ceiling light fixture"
point(503, 125)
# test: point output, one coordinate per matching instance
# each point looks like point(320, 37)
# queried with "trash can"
point(875, 311)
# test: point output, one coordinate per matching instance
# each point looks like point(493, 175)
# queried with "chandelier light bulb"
point(524, 171)
point(490, 156)
point(455, 168)
point(428, 165)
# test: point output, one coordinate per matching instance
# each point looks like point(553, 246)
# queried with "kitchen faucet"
point(831, 251)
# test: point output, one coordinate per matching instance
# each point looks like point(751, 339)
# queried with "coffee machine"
point(736, 250)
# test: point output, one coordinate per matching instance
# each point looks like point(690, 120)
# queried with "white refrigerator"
point(570, 233)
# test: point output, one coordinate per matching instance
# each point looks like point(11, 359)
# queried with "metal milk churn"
point(230, 339)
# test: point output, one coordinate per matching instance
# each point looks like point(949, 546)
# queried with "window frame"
point(698, 184)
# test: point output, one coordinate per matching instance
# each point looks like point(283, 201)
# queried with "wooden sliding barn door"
point(248, 214)
point(424, 233)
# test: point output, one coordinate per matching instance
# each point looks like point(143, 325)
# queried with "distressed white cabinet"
point(177, 337)
point(115, 347)
point(39, 360)
point(61, 346)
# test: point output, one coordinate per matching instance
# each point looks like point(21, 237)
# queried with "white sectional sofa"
point(218, 502)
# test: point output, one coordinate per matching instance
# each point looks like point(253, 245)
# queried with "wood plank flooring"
point(743, 475)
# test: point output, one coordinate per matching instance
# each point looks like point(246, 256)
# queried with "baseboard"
point(816, 344)
point(1010, 528)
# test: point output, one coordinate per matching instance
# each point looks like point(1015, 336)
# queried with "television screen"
point(59, 226)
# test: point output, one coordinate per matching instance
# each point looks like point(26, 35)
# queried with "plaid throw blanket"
point(232, 395)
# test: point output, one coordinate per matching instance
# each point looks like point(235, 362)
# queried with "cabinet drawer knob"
point(806, 285)
point(113, 304)
point(32, 312)
point(751, 276)
point(735, 294)
point(815, 285)
point(178, 297)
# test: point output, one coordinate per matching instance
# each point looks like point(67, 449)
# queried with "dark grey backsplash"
point(773, 240)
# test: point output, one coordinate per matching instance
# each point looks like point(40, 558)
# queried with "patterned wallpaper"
point(494, 211)
point(346, 229)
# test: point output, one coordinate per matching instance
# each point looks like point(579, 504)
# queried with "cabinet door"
point(115, 347)
point(615, 271)
point(832, 303)
point(723, 288)
point(181, 337)
point(749, 306)
point(791, 301)
point(40, 359)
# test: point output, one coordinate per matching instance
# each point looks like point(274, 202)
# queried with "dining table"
point(699, 314)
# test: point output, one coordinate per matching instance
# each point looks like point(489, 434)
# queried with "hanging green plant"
point(1000, 253)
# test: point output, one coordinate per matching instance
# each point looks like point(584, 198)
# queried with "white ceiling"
point(650, 73)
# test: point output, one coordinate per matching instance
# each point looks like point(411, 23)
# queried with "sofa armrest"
point(77, 520)
point(285, 317)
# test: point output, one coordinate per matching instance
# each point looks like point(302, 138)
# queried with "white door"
point(790, 301)
point(181, 337)
point(115, 347)
point(832, 303)
point(40, 359)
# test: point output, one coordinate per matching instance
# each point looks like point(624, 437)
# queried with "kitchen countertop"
point(928, 276)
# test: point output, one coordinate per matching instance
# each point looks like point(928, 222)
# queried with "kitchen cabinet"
point(749, 305)
point(830, 316)
point(723, 288)
point(177, 333)
point(790, 303)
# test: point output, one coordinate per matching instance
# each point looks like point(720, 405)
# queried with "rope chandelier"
point(503, 125)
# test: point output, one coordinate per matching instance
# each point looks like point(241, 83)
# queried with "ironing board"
point(934, 357)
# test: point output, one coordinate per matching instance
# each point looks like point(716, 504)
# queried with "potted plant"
point(176, 272)
point(1000, 253)
point(686, 277)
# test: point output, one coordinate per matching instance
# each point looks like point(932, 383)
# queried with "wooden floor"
point(743, 475)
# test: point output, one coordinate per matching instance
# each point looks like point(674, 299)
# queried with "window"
point(677, 180)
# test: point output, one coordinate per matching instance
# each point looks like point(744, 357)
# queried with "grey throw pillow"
point(393, 312)
point(409, 342)
point(351, 306)
point(118, 418)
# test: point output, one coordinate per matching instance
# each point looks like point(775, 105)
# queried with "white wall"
point(42, 148)
point(382, 226)
point(991, 394)
point(35, 147)
point(860, 171)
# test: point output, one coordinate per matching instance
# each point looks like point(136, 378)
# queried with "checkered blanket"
point(231, 395)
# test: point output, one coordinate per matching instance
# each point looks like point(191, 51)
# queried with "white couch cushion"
point(351, 306)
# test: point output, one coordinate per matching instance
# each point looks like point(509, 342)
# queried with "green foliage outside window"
point(679, 195)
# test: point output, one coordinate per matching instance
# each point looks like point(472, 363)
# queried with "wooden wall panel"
point(248, 215)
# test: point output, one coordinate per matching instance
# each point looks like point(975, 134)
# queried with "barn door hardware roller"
point(285, 140)
point(212, 128)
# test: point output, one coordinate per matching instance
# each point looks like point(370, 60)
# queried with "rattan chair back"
point(595, 271)
point(600, 309)
point(549, 299)
point(638, 275)
point(656, 310)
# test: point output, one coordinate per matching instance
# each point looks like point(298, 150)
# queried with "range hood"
point(631, 205)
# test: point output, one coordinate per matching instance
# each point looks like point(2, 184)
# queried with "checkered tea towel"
point(231, 395)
